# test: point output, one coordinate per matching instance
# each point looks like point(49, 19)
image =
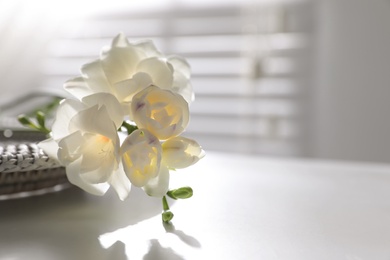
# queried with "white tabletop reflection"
point(243, 208)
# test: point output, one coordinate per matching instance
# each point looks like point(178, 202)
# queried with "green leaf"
point(41, 119)
point(181, 193)
point(24, 120)
point(40, 116)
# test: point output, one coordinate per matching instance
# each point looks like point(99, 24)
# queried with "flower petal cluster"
point(126, 68)
point(129, 84)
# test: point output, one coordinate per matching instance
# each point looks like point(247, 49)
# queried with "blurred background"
point(295, 78)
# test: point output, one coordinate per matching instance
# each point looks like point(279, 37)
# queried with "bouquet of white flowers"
point(122, 127)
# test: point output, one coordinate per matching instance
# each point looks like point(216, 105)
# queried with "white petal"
point(181, 65)
point(120, 41)
point(148, 48)
point(120, 183)
point(158, 70)
point(158, 186)
point(119, 63)
point(136, 176)
point(94, 75)
point(72, 172)
point(100, 158)
point(95, 120)
point(112, 105)
point(182, 86)
point(141, 156)
point(126, 89)
point(181, 78)
point(69, 148)
point(50, 147)
point(100, 174)
point(78, 87)
point(67, 109)
point(126, 109)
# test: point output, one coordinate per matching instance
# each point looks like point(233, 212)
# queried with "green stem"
point(24, 120)
point(129, 128)
point(165, 203)
point(167, 215)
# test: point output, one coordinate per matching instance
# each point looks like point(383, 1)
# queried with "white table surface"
point(242, 208)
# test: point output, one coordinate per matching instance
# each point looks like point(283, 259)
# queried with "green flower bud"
point(167, 216)
point(24, 120)
point(181, 193)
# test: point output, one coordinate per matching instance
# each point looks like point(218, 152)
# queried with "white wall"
point(351, 119)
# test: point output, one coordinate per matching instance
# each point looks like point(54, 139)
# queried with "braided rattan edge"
point(24, 167)
point(24, 157)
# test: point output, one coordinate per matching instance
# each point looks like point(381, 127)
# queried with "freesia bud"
point(141, 157)
point(162, 112)
point(180, 152)
point(181, 193)
point(167, 216)
point(24, 120)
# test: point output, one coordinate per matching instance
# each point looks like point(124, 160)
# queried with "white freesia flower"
point(180, 152)
point(162, 112)
point(141, 156)
point(68, 108)
point(87, 143)
point(126, 68)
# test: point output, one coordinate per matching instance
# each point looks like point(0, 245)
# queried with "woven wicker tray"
point(25, 170)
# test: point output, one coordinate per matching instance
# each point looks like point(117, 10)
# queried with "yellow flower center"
point(103, 139)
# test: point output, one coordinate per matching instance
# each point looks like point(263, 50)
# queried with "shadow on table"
point(189, 240)
point(144, 240)
point(156, 251)
point(67, 224)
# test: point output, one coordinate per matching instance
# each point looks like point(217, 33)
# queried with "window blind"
point(248, 67)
